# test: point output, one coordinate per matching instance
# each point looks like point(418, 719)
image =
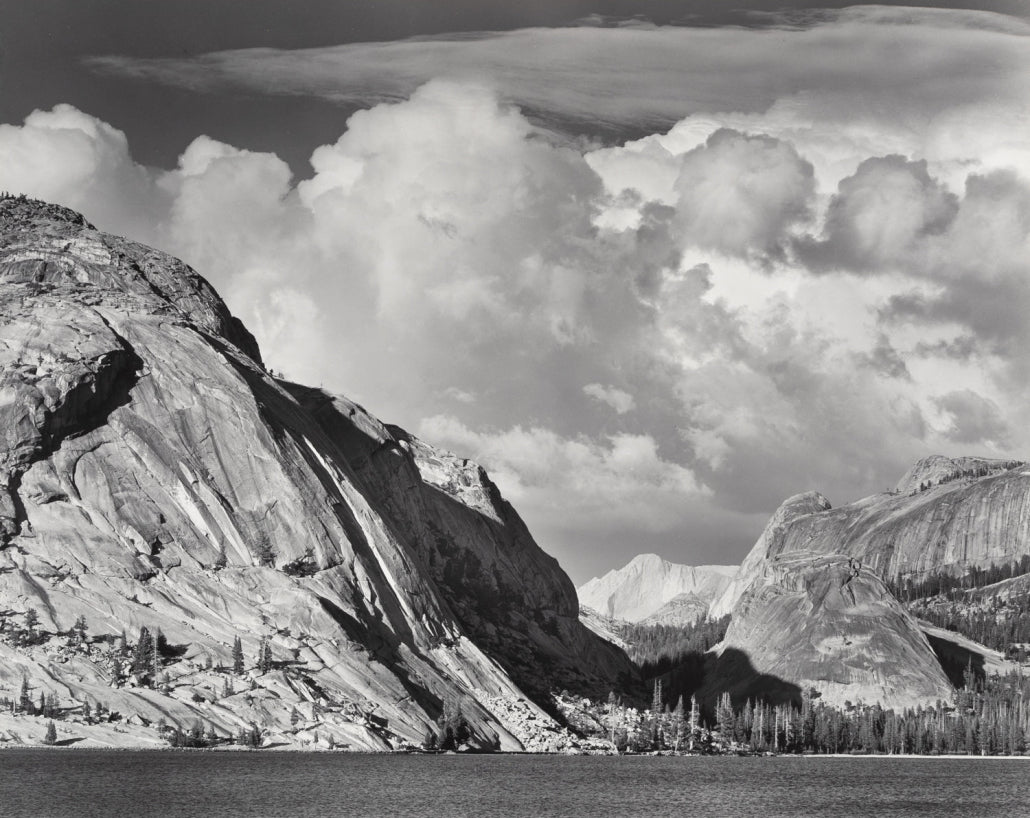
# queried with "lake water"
point(90, 784)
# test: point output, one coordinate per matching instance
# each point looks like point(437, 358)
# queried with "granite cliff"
point(655, 591)
point(944, 516)
point(154, 475)
point(810, 605)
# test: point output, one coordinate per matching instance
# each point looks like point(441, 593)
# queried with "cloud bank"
point(649, 344)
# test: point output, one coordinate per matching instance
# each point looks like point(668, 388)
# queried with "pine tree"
point(51, 734)
point(155, 657)
point(455, 725)
point(679, 719)
point(29, 636)
point(656, 697)
point(294, 717)
point(25, 700)
point(143, 655)
point(612, 718)
point(80, 629)
point(807, 717)
point(695, 723)
point(724, 718)
point(263, 551)
point(237, 656)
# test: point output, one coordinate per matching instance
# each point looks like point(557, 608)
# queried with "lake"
point(94, 783)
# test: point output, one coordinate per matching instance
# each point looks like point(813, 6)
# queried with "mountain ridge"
point(154, 475)
point(647, 585)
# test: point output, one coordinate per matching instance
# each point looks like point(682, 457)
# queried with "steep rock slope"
point(970, 512)
point(650, 588)
point(824, 622)
point(809, 613)
point(511, 598)
point(153, 474)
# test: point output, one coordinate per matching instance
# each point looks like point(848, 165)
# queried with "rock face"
point(153, 474)
point(825, 622)
point(809, 605)
point(971, 512)
point(650, 589)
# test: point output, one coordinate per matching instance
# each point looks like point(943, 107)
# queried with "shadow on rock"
point(956, 660)
point(709, 675)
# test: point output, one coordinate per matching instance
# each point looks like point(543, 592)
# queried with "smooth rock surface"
point(791, 616)
point(153, 473)
point(823, 622)
point(655, 590)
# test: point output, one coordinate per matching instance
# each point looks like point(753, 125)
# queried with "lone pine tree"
point(143, 655)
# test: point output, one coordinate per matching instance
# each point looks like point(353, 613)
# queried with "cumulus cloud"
point(622, 402)
point(879, 216)
point(975, 273)
point(649, 344)
point(616, 486)
point(739, 194)
point(66, 155)
point(973, 419)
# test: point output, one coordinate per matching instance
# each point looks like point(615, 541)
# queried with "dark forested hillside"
point(988, 605)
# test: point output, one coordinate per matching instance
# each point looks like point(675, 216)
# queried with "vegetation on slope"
point(988, 605)
point(989, 718)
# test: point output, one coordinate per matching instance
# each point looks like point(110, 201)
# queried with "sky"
point(656, 265)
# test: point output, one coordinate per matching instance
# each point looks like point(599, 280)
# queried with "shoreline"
point(326, 751)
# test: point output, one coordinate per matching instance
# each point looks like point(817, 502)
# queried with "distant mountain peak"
point(649, 582)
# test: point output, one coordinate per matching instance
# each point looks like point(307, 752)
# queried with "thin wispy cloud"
point(913, 62)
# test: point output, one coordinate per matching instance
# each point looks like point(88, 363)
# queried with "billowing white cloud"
point(619, 400)
point(879, 213)
point(648, 344)
point(580, 487)
point(68, 156)
point(739, 193)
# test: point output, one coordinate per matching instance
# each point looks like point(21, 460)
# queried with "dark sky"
point(44, 41)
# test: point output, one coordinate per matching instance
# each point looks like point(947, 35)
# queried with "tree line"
point(909, 589)
point(656, 649)
point(952, 602)
point(986, 717)
point(972, 473)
